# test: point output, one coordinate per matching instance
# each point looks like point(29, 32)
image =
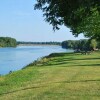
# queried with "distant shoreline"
point(38, 45)
point(22, 43)
point(32, 45)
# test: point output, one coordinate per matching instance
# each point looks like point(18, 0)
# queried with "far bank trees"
point(7, 42)
point(82, 45)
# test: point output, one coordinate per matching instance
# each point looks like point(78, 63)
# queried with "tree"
point(90, 26)
point(81, 16)
point(7, 42)
point(93, 44)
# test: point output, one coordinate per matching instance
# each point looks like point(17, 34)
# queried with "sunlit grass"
point(63, 76)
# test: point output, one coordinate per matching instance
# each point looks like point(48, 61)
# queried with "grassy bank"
point(63, 76)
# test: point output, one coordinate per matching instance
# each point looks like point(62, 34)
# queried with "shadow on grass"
point(81, 81)
point(34, 87)
point(89, 65)
point(59, 55)
point(72, 59)
point(63, 58)
point(72, 62)
point(71, 65)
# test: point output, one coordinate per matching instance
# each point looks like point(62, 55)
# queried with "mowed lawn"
point(62, 76)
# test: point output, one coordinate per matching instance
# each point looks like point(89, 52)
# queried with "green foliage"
point(76, 44)
point(98, 44)
point(81, 16)
point(83, 44)
point(93, 44)
point(7, 42)
point(90, 26)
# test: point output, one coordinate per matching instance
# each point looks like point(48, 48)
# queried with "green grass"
point(63, 76)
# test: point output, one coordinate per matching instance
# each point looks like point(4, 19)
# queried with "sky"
point(19, 20)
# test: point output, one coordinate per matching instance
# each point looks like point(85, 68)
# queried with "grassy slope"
point(61, 77)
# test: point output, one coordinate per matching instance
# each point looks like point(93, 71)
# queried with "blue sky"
point(19, 20)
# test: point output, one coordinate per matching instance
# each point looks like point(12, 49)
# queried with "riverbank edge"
point(38, 62)
point(43, 60)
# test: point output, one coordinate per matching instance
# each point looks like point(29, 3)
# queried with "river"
point(13, 59)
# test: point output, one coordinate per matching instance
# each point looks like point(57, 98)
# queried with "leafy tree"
point(98, 44)
point(81, 16)
point(83, 45)
point(93, 44)
point(7, 42)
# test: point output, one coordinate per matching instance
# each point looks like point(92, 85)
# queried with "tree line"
point(83, 44)
point(7, 42)
point(40, 43)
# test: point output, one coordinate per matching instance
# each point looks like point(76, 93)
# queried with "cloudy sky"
point(19, 20)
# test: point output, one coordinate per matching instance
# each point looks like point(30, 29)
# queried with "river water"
point(13, 59)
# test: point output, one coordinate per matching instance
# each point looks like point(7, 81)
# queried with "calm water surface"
point(12, 59)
